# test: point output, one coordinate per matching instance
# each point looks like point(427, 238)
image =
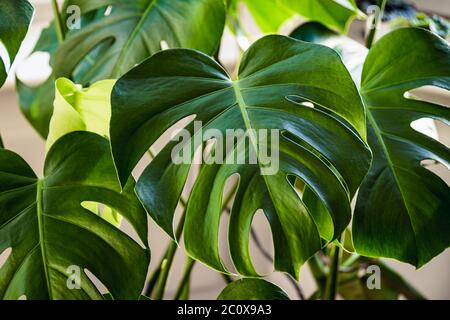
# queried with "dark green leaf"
point(181, 82)
point(134, 31)
point(252, 289)
point(403, 208)
point(48, 229)
point(15, 18)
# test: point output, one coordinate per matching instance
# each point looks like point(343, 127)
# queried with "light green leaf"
point(15, 18)
point(270, 14)
point(80, 109)
point(276, 70)
point(47, 228)
point(134, 31)
point(252, 289)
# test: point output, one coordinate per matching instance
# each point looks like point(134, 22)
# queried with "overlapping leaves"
point(46, 226)
point(402, 208)
point(134, 30)
point(314, 145)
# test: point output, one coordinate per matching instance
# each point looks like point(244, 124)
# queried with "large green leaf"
point(252, 289)
point(15, 18)
point(270, 14)
point(134, 31)
point(314, 146)
point(46, 225)
point(402, 208)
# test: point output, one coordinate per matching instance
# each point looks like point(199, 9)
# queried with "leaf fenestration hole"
point(432, 129)
point(432, 94)
point(164, 45)
point(4, 256)
point(261, 244)
point(96, 281)
point(300, 101)
point(108, 11)
point(224, 221)
point(23, 297)
point(438, 168)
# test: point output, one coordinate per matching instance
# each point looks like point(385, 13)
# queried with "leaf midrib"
point(137, 29)
point(40, 216)
point(379, 135)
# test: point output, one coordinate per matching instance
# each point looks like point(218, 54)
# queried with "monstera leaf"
point(314, 145)
point(270, 14)
point(134, 30)
point(15, 18)
point(402, 208)
point(252, 289)
point(49, 231)
point(36, 102)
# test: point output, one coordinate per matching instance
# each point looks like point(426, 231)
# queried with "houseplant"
point(335, 122)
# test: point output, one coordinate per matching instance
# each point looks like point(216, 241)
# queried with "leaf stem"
point(167, 261)
point(373, 30)
point(185, 279)
point(333, 275)
point(58, 22)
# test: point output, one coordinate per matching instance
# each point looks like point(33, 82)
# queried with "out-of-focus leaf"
point(15, 19)
point(80, 109)
point(134, 30)
point(175, 84)
point(252, 289)
point(271, 14)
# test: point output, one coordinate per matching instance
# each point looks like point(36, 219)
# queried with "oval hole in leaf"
point(4, 256)
point(23, 297)
point(426, 126)
point(98, 284)
point(438, 168)
point(261, 244)
point(433, 94)
point(108, 11)
point(300, 101)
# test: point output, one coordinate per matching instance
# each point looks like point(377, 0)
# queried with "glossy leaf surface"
point(51, 234)
point(276, 70)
